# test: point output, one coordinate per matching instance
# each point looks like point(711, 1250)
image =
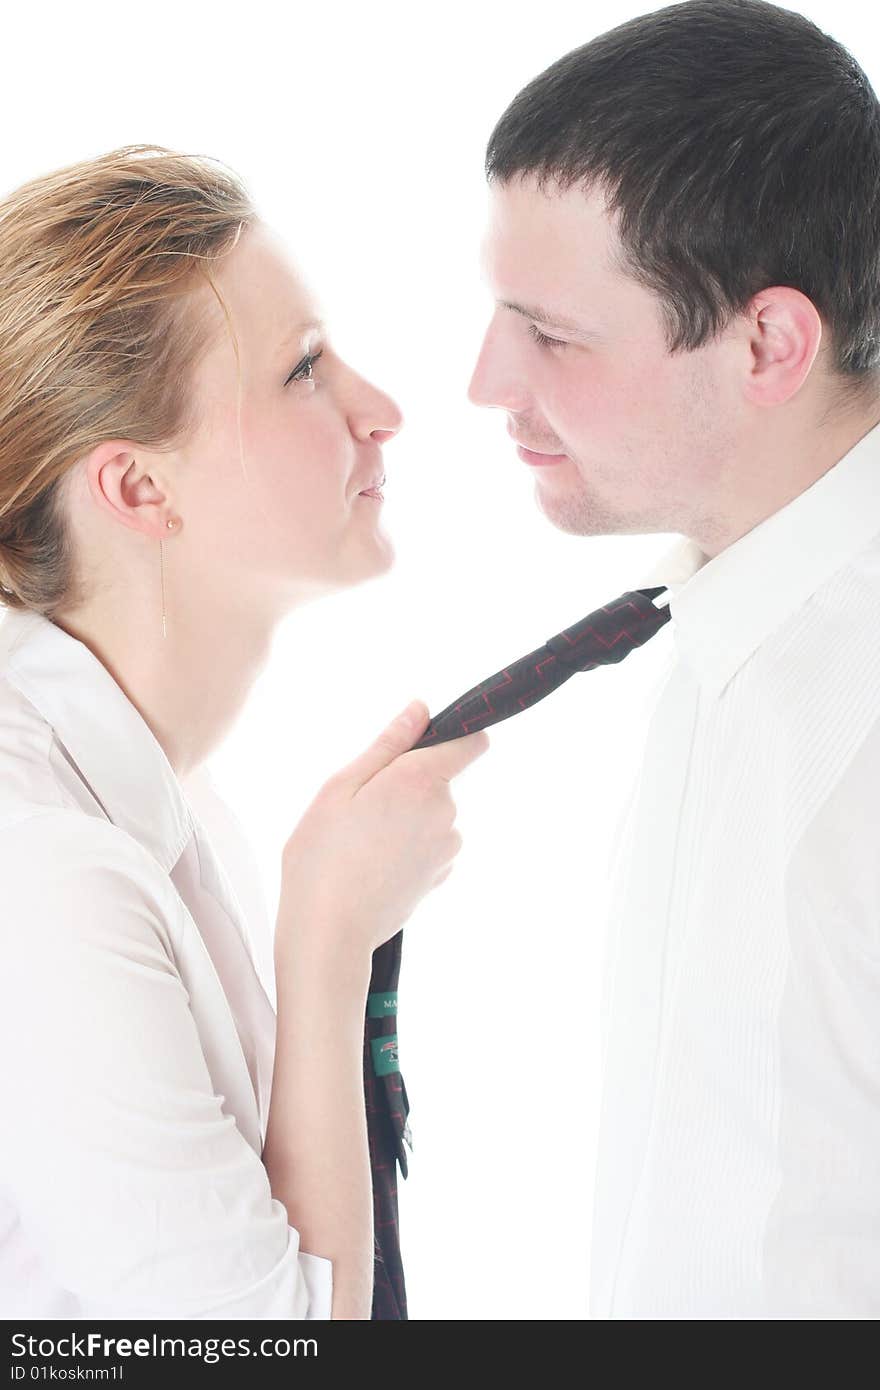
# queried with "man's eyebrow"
point(551, 320)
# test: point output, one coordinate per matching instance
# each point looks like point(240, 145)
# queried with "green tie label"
point(385, 1054)
point(378, 1005)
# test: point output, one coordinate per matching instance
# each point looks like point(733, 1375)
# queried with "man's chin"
point(574, 515)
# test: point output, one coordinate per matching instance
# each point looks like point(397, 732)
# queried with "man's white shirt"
point(136, 1033)
point(738, 1163)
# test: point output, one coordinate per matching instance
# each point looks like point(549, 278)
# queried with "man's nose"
point(496, 380)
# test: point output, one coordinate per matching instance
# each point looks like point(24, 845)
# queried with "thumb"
point(396, 738)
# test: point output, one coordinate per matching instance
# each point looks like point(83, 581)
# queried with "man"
point(684, 247)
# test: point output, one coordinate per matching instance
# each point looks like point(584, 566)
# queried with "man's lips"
point(536, 460)
point(536, 457)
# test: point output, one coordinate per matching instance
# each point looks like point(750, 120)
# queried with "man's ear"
point(783, 336)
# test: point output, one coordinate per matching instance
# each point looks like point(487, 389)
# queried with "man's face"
point(646, 437)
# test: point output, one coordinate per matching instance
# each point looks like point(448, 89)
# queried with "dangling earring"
point(170, 525)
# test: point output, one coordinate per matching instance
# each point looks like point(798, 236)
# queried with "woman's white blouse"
point(137, 1037)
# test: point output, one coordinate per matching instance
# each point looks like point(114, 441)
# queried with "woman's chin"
point(372, 560)
point(383, 558)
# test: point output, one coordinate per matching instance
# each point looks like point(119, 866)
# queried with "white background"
point(360, 132)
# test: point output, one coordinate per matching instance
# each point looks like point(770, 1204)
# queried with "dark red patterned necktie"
point(606, 636)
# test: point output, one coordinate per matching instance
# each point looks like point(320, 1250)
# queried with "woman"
point(165, 380)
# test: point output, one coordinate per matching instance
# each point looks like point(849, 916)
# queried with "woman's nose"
point(372, 412)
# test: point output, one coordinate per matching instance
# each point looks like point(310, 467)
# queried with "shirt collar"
point(722, 608)
point(110, 742)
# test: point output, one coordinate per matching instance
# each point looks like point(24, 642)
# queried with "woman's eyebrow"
point(300, 329)
point(551, 320)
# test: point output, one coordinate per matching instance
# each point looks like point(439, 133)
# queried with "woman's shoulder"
point(48, 816)
point(26, 780)
point(70, 878)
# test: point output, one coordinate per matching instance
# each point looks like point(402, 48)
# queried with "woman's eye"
point(542, 338)
point(303, 370)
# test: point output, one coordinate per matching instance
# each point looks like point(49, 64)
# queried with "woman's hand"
point(379, 835)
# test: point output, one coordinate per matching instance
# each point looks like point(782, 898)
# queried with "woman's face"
point(291, 521)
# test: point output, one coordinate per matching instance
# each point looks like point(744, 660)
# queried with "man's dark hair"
point(739, 147)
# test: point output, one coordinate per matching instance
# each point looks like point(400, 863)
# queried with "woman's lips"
point(538, 460)
point(375, 488)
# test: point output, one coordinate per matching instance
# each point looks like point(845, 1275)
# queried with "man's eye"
point(542, 338)
point(303, 370)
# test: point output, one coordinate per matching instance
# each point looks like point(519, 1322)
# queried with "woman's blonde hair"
point(99, 337)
